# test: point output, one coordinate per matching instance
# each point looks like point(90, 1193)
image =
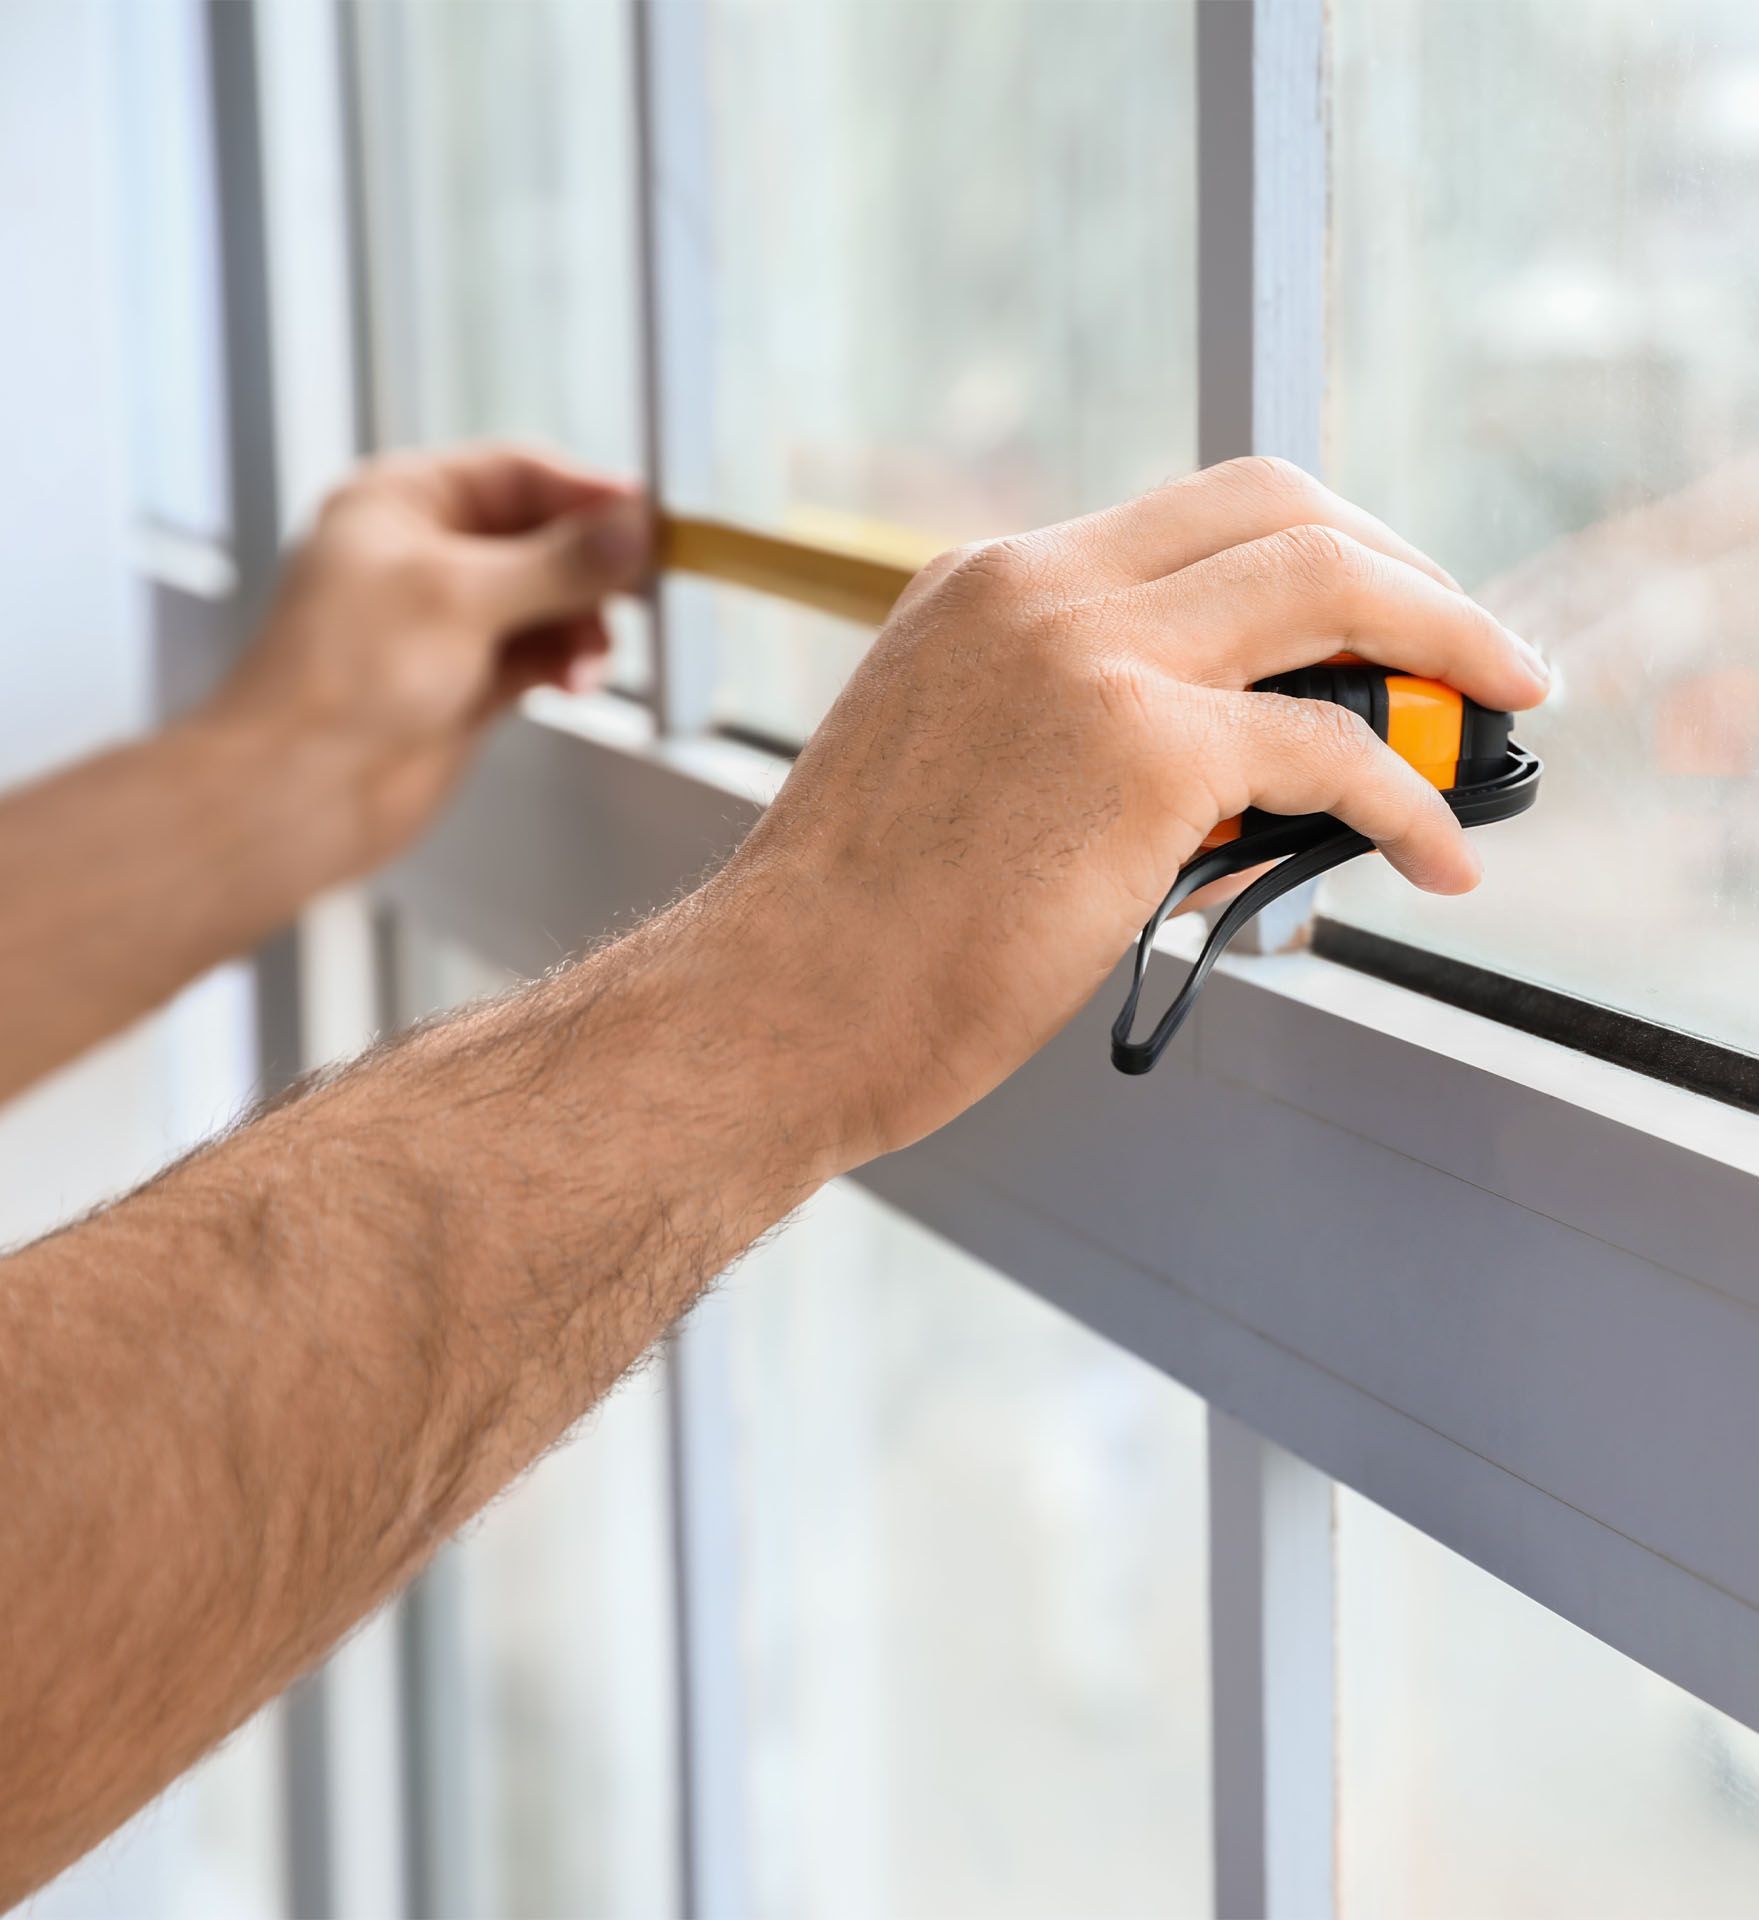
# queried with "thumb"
point(563, 568)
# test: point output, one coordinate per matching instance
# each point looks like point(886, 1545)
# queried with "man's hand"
point(1045, 732)
point(432, 592)
point(246, 1403)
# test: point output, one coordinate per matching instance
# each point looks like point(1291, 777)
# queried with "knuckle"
point(1269, 477)
point(1214, 731)
point(1125, 694)
point(1075, 626)
point(1321, 730)
point(1018, 573)
point(982, 578)
point(508, 447)
point(511, 461)
point(929, 579)
point(417, 576)
point(353, 513)
point(373, 474)
point(342, 499)
point(1345, 734)
point(1321, 558)
point(991, 566)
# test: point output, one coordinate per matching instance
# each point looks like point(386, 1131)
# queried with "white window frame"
point(1500, 1288)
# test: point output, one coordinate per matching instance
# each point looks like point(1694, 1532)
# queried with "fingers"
point(1206, 513)
point(1297, 596)
point(589, 668)
point(559, 570)
point(1308, 756)
point(574, 657)
point(500, 488)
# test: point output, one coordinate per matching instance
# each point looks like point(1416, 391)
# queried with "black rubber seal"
point(1663, 1053)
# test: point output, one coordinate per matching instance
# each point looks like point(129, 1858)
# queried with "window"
point(164, 168)
point(565, 1632)
point(499, 172)
point(948, 284)
point(1496, 1759)
point(906, 273)
point(1543, 313)
point(972, 1593)
point(1250, 1448)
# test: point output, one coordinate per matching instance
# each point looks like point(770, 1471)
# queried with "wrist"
point(745, 1034)
point(287, 795)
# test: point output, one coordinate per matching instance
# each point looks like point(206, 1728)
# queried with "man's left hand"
point(432, 591)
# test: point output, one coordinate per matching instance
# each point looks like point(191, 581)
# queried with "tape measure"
point(1459, 747)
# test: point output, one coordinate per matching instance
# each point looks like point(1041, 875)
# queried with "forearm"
point(128, 875)
point(429, 593)
point(244, 1405)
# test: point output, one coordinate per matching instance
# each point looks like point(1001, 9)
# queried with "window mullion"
point(1262, 160)
point(712, 1722)
point(1262, 196)
point(1272, 1677)
point(253, 501)
point(674, 181)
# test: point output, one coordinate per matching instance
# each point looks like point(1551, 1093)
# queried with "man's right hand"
point(1045, 732)
point(247, 1402)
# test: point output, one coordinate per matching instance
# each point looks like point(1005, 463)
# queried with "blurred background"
point(931, 264)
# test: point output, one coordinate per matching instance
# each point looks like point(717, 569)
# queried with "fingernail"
point(1531, 658)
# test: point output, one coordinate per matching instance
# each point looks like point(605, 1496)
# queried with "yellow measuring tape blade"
point(856, 581)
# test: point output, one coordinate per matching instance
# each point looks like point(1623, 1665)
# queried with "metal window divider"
point(318, 986)
point(674, 182)
point(1262, 185)
point(253, 498)
point(438, 1818)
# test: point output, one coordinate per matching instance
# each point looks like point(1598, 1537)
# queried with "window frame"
point(1332, 1188)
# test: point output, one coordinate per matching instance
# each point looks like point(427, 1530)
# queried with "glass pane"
point(568, 1617)
point(167, 262)
point(1494, 1759)
point(1544, 306)
point(951, 282)
point(973, 1591)
point(501, 230)
point(566, 1609)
